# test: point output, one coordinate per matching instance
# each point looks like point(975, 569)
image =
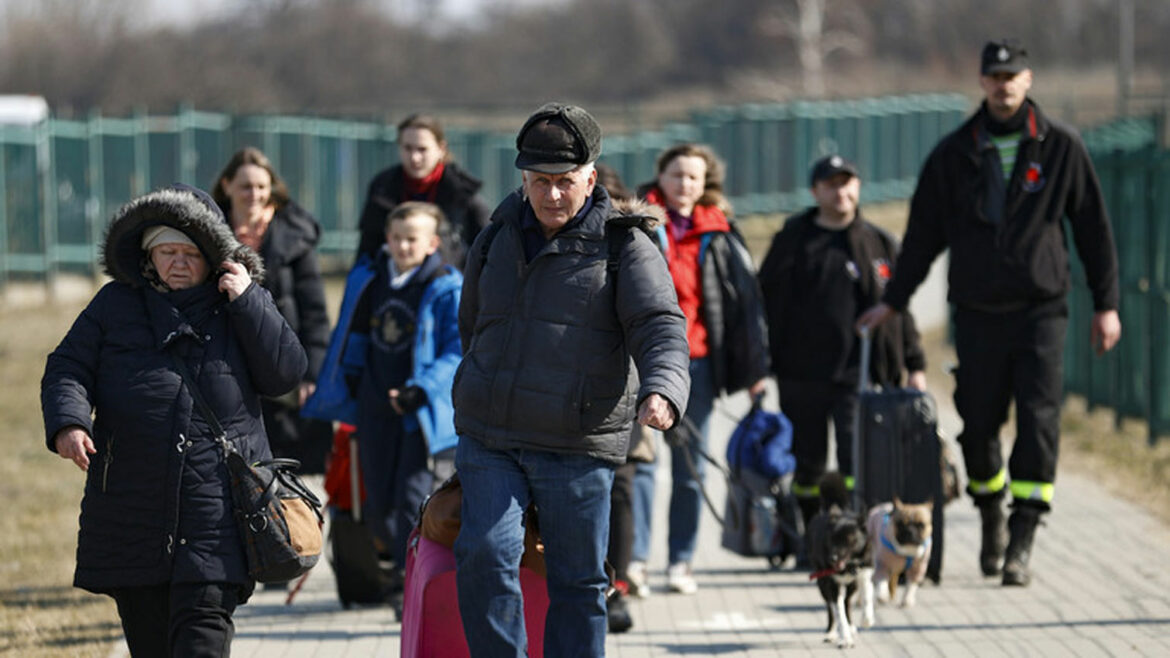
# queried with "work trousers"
point(1016, 355)
point(810, 406)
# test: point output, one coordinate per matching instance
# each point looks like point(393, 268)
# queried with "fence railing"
point(1134, 379)
point(61, 179)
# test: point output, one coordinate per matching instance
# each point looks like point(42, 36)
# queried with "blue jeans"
point(572, 493)
point(686, 499)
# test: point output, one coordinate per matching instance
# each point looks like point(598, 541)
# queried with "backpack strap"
point(616, 237)
point(489, 234)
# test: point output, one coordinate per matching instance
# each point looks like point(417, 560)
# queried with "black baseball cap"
point(1004, 56)
point(558, 138)
point(830, 166)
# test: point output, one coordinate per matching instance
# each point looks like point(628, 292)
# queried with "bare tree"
point(813, 40)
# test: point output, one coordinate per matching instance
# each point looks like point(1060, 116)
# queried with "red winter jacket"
point(683, 258)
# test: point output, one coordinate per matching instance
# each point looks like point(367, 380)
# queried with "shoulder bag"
point(278, 517)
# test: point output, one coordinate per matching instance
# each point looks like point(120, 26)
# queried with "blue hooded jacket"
point(436, 355)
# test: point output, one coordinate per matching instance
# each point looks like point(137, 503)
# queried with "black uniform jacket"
point(1007, 245)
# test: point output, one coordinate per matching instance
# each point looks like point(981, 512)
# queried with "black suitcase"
point(353, 555)
point(896, 452)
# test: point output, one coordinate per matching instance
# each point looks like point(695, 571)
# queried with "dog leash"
point(685, 435)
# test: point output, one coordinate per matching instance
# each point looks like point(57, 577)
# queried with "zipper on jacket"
point(106, 461)
point(170, 544)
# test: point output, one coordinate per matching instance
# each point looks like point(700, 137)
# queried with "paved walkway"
point(1101, 587)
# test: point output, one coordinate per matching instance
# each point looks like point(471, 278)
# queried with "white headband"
point(156, 235)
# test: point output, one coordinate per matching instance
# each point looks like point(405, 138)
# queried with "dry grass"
point(41, 614)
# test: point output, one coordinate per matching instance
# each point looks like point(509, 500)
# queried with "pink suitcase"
point(431, 625)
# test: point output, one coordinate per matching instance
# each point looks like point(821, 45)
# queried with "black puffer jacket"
point(457, 196)
point(157, 507)
point(293, 276)
point(548, 344)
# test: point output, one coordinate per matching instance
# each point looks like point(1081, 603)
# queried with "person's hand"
point(1105, 331)
point(235, 279)
point(306, 389)
point(917, 380)
point(407, 400)
point(75, 444)
point(874, 316)
point(656, 412)
point(759, 387)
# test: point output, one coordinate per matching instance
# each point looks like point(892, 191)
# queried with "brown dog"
point(900, 535)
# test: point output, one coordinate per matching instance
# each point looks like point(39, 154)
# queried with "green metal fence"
point(1134, 379)
point(61, 179)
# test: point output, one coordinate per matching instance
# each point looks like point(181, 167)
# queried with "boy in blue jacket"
point(389, 371)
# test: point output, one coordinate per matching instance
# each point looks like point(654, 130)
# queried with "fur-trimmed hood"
point(635, 212)
point(185, 208)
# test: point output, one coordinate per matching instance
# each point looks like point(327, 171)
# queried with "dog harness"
point(890, 545)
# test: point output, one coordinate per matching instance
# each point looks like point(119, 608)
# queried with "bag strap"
point(200, 403)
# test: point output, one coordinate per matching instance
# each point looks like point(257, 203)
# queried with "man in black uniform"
point(995, 193)
point(826, 266)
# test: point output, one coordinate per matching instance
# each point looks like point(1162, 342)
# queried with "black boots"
point(1022, 526)
point(994, 535)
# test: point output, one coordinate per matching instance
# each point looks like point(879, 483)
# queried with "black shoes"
point(1022, 526)
point(994, 536)
point(618, 613)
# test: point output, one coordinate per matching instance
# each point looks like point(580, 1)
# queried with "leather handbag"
point(278, 517)
point(441, 517)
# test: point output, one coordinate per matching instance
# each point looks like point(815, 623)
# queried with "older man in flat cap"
point(571, 332)
point(996, 192)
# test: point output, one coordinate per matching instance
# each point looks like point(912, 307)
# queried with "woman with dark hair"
point(425, 173)
point(256, 203)
point(157, 529)
point(726, 331)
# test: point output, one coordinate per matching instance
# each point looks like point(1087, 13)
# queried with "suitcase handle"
point(862, 385)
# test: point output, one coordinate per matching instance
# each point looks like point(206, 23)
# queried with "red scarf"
point(426, 187)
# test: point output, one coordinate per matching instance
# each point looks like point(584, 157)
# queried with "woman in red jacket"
point(726, 331)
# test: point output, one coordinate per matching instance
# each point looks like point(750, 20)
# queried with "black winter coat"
point(293, 277)
point(1007, 246)
point(457, 196)
point(157, 505)
point(793, 283)
point(737, 332)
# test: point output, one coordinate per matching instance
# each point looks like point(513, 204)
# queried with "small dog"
point(900, 535)
point(838, 550)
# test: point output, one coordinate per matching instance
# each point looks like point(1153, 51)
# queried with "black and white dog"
point(839, 553)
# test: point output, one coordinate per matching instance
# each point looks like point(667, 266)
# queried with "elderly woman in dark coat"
point(157, 531)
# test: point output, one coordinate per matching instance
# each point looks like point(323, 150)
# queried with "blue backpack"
point(762, 442)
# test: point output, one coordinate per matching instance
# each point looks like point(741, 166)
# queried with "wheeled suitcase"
point(431, 624)
point(896, 452)
point(352, 553)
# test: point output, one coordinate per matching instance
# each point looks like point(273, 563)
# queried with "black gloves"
point(411, 398)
